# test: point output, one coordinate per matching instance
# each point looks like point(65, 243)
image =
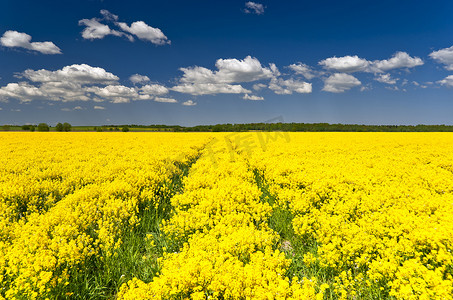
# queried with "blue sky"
point(91, 62)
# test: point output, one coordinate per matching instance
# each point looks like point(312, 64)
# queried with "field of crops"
point(259, 215)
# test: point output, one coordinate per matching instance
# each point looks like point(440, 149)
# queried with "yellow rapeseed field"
point(257, 215)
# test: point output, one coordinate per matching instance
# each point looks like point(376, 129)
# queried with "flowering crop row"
point(379, 207)
point(67, 198)
point(228, 249)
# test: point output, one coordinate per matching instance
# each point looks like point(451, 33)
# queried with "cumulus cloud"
point(109, 16)
point(229, 71)
point(447, 81)
point(189, 103)
point(74, 73)
point(115, 93)
point(350, 64)
point(254, 8)
point(209, 89)
point(444, 56)
point(165, 100)
point(398, 60)
point(303, 69)
point(136, 78)
point(202, 81)
point(385, 78)
point(347, 64)
point(153, 89)
point(287, 87)
point(23, 91)
point(252, 97)
point(99, 107)
point(259, 86)
point(145, 32)
point(14, 39)
point(95, 29)
point(340, 82)
point(77, 83)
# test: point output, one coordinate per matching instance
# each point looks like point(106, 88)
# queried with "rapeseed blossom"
point(369, 215)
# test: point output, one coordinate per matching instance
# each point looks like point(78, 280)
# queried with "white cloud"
point(145, 32)
point(13, 39)
point(393, 88)
point(259, 86)
point(385, 78)
point(254, 8)
point(95, 29)
point(287, 87)
point(302, 69)
point(444, 56)
point(340, 82)
point(22, 91)
point(447, 81)
point(108, 15)
point(99, 107)
point(137, 78)
point(252, 97)
point(209, 89)
point(364, 88)
point(398, 60)
point(350, 64)
point(74, 73)
point(1, 108)
point(165, 100)
point(229, 71)
point(189, 103)
point(346, 64)
point(77, 83)
point(202, 81)
point(115, 93)
point(153, 89)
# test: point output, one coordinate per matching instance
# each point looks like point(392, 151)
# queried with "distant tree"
point(43, 127)
point(67, 127)
point(59, 127)
point(27, 127)
point(32, 128)
point(125, 129)
point(117, 129)
point(110, 129)
point(99, 129)
point(6, 127)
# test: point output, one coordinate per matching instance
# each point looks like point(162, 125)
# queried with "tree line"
point(298, 127)
point(45, 127)
point(294, 127)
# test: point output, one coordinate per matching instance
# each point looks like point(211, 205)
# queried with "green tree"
point(43, 127)
point(67, 127)
point(125, 129)
point(59, 127)
point(32, 128)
